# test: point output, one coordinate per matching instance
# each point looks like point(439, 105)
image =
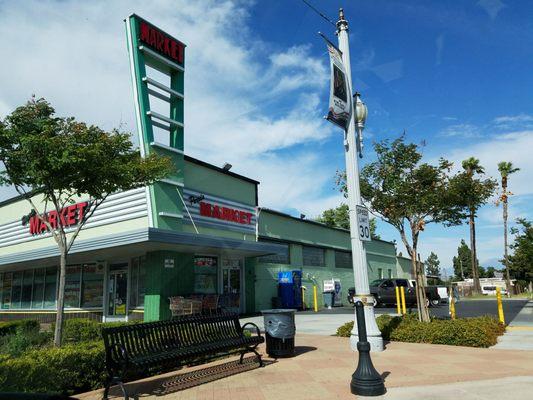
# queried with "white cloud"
point(461, 130)
point(491, 7)
point(244, 102)
point(389, 71)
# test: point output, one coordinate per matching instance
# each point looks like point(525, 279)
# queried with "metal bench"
point(137, 350)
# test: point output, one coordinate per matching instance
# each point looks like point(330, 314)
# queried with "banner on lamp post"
point(340, 101)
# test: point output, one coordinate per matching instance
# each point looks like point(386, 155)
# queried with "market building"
point(199, 232)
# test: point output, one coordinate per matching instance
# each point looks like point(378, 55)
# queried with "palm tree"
point(471, 166)
point(506, 168)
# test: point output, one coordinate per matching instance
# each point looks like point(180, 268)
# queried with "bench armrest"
point(258, 331)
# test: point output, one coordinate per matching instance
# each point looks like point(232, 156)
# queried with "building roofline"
point(282, 214)
point(218, 169)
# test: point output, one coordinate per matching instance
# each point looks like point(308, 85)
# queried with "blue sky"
point(455, 74)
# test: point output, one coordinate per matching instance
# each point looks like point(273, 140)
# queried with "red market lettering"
point(225, 213)
point(161, 42)
point(68, 216)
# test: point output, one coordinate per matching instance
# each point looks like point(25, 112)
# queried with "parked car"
point(490, 290)
point(384, 292)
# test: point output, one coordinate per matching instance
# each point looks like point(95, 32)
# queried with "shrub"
point(70, 369)
point(386, 324)
point(80, 330)
point(10, 327)
point(471, 332)
point(16, 344)
point(77, 330)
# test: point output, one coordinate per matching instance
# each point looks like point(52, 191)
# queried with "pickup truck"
point(384, 292)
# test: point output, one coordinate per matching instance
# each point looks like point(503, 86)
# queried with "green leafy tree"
point(475, 191)
point(409, 194)
point(462, 261)
point(339, 217)
point(506, 168)
point(521, 261)
point(54, 161)
point(490, 272)
point(432, 265)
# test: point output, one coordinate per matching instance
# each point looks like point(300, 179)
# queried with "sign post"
point(351, 139)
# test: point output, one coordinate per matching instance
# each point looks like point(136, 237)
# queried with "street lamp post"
point(362, 289)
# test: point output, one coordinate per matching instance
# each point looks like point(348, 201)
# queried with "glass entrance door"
point(232, 284)
point(117, 293)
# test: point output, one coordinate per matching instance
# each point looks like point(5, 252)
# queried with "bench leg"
point(110, 383)
point(252, 350)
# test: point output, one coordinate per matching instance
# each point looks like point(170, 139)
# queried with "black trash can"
point(279, 331)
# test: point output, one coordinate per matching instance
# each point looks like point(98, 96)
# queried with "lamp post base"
point(373, 332)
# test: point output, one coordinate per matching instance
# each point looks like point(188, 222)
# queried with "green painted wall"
point(207, 180)
point(161, 282)
point(404, 267)
point(380, 255)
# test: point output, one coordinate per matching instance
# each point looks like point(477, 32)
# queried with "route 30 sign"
point(363, 223)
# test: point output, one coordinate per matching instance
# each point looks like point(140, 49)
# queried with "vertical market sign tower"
point(157, 63)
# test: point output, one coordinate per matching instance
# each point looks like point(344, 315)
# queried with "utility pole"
point(362, 289)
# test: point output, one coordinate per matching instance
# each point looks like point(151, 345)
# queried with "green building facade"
point(199, 232)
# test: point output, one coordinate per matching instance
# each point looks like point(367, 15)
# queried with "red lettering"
point(42, 227)
point(52, 219)
point(153, 40)
point(242, 218)
point(145, 32)
point(71, 215)
point(216, 212)
point(161, 42)
point(205, 209)
point(81, 210)
point(34, 225)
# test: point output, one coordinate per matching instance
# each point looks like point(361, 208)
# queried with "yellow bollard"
point(500, 306)
point(315, 300)
point(452, 307)
point(402, 290)
point(398, 304)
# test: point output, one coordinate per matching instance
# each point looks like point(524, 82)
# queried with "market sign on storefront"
point(225, 213)
point(218, 212)
point(68, 216)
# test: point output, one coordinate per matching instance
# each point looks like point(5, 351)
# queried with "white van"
point(490, 290)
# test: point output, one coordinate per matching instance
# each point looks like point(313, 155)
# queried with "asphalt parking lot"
point(464, 308)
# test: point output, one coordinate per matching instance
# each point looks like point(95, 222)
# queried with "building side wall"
point(204, 179)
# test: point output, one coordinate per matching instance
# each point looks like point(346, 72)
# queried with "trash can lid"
point(278, 311)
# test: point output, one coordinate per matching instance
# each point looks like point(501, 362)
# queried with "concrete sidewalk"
point(323, 366)
point(519, 333)
point(312, 324)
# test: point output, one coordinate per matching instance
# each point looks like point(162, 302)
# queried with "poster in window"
point(205, 265)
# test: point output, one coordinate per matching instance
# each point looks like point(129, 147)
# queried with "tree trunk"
point(505, 255)
point(60, 303)
point(423, 313)
point(475, 270)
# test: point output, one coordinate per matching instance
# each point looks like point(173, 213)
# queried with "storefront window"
point(6, 290)
point(93, 285)
point(282, 257)
point(343, 259)
point(72, 286)
point(27, 286)
point(38, 288)
point(16, 289)
point(205, 274)
point(50, 287)
point(313, 256)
